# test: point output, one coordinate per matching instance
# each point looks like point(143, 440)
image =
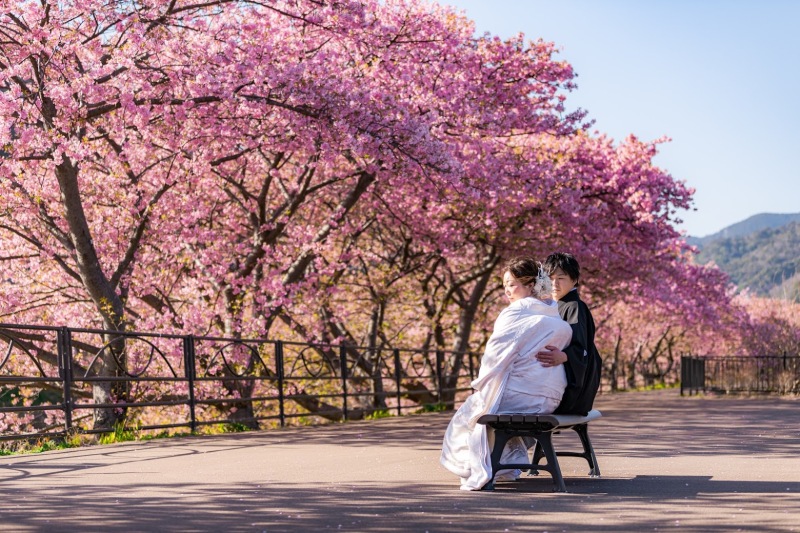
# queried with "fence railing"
point(50, 378)
point(740, 374)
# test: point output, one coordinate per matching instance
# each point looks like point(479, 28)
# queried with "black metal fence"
point(740, 374)
point(48, 377)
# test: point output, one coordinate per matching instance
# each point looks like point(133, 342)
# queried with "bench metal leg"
point(545, 440)
point(537, 457)
point(588, 450)
point(501, 438)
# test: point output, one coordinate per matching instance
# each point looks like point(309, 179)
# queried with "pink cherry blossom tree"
point(340, 172)
point(118, 115)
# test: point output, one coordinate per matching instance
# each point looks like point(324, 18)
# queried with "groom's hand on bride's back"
point(551, 356)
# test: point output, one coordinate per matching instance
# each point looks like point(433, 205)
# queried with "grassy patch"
point(164, 435)
point(44, 444)
point(656, 386)
point(120, 434)
point(379, 413)
point(432, 408)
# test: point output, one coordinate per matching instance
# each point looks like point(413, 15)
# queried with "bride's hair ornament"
point(543, 287)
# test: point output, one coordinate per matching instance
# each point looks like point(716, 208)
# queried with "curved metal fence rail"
point(48, 375)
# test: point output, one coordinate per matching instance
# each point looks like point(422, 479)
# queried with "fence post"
point(343, 370)
point(471, 363)
point(439, 364)
point(189, 362)
point(703, 374)
point(397, 380)
point(65, 361)
point(687, 374)
point(279, 371)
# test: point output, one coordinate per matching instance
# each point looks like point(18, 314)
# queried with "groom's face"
point(562, 283)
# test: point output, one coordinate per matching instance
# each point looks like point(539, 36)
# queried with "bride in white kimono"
point(511, 379)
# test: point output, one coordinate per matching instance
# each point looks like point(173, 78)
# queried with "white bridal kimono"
point(510, 380)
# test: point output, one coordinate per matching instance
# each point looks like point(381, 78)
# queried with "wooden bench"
point(541, 427)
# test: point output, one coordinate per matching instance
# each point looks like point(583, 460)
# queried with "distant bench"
point(540, 427)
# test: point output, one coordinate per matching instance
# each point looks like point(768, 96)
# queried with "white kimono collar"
point(548, 307)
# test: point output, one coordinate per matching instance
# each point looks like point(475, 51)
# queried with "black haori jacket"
point(583, 364)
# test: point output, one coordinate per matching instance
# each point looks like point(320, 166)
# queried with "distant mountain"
point(746, 227)
point(765, 260)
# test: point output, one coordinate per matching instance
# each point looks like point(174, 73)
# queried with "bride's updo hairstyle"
point(530, 273)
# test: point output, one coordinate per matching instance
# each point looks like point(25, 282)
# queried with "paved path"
point(692, 464)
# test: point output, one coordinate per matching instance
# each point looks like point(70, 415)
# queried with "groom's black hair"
point(565, 262)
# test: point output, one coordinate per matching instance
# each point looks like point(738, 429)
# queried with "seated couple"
point(521, 369)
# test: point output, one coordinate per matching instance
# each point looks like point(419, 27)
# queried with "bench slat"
point(537, 418)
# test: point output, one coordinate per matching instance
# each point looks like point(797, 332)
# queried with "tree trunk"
point(111, 362)
point(461, 343)
point(239, 412)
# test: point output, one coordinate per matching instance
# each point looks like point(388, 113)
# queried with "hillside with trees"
point(750, 225)
point(767, 262)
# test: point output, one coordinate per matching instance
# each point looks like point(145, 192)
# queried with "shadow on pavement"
point(374, 507)
point(700, 463)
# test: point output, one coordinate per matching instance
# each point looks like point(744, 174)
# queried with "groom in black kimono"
point(581, 360)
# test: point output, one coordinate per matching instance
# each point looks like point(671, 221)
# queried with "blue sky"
point(721, 78)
